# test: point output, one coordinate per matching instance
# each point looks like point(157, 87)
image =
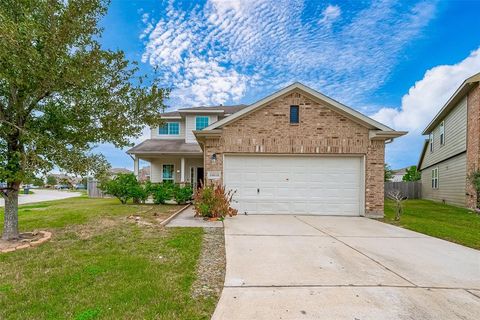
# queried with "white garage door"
point(295, 184)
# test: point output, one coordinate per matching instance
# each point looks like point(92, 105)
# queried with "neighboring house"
point(452, 149)
point(115, 171)
point(144, 174)
point(397, 175)
point(295, 151)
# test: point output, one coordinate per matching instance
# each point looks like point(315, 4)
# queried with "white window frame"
point(430, 141)
point(442, 133)
point(169, 130)
point(435, 178)
point(201, 117)
point(163, 172)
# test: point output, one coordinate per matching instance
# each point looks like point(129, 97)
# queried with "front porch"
point(170, 160)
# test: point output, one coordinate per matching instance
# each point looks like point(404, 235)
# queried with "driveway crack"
point(363, 254)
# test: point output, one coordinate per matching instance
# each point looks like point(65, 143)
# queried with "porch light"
point(214, 158)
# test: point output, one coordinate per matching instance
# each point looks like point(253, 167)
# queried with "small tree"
point(398, 199)
point(388, 173)
point(412, 174)
point(51, 180)
point(124, 187)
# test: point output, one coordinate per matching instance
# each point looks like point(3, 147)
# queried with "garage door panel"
point(295, 184)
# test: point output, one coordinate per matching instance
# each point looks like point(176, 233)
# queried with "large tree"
point(61, 93)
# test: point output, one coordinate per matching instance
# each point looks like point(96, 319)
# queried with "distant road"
point(41, 195)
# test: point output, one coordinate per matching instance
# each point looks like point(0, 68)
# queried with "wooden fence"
point(410, 189)
point(93, 190)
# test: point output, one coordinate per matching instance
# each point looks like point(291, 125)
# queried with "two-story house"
point(452, 149)
point(172, 150)
point(295, 151)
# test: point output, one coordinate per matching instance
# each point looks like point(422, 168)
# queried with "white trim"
point(298, 86)
point(434, 182)
point(200, 111)
point(442, 133)
point(171, 117)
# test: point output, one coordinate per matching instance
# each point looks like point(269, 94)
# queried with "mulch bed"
point(211, 267)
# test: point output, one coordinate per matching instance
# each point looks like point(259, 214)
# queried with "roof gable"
point(462, 90)
point(310, 93)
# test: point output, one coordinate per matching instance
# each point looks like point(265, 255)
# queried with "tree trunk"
point(10, 226)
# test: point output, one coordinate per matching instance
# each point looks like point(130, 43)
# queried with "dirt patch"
point(211, 266)
point(25, 240)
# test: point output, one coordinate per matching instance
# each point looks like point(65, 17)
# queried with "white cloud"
point(205, 51)
point(423, 101)
point(329, 15)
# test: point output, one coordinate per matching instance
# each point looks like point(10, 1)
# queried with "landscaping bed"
point(439, 220)
point(101, 264)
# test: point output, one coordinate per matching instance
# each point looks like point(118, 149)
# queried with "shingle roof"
point(225, 109)
point(158, 146)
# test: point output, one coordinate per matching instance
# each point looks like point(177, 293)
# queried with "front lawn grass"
point(438, 220)
point(101, 265)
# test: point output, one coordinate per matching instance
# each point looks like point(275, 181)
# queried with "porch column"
point(135, 166)
point(182, 170)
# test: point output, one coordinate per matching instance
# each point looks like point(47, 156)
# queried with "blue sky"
point(397, 61)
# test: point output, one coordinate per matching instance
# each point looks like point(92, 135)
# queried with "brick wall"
point(473, 141)
point(320, 131)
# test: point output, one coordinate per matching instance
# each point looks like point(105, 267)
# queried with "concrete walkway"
point(187, 219)
point(305, 267)
point(41, 195)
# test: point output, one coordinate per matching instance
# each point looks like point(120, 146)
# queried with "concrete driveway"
point(305, 267)
point(41, 195)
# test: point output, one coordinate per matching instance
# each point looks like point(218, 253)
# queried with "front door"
point(199, 177)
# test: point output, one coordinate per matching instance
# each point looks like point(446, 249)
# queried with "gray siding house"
point(451, 151)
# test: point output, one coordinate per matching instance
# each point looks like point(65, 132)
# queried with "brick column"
point(374, 176)
point(473, 143)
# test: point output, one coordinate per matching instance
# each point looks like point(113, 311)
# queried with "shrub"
point(140, 193)
point(214, 201)
point(123, 186)
point(182, 194)
point(162, 192)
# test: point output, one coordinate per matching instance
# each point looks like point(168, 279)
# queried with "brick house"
point(295, 151)
point(452, 149)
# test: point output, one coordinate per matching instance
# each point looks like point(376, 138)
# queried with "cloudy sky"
point(396, 61)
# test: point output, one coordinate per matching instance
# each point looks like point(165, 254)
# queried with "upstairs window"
point(294, 114)
point(201, 122)
point(431, 141)
point(435, 178)
point(170, 128)
point(442, 133)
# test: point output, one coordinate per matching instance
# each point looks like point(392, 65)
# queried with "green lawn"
point(438, 220)
point(100, 265)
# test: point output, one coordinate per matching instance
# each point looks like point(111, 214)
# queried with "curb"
point(166, 221)
point(46, 236)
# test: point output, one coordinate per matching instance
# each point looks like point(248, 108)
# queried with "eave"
point(457, 96)
point(385, 135)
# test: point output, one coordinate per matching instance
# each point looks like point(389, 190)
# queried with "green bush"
point(214, 201)
point(162, 192)
point(124, 186)
point(140, 193)
point(182, 194)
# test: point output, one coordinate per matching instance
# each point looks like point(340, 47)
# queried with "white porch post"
point(135, 166)
point(182, 170)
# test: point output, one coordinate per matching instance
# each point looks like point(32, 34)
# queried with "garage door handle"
point(258, 190)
